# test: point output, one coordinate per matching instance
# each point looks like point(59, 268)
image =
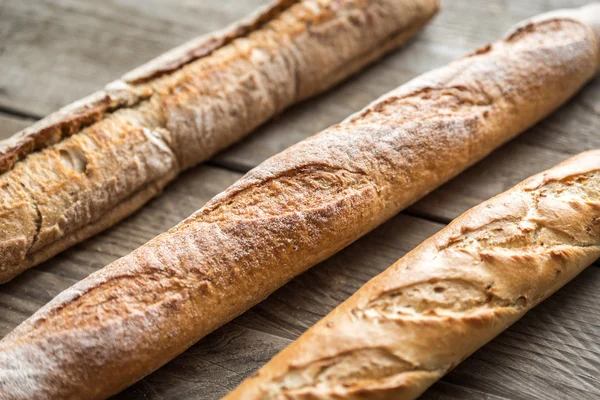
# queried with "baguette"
point(417, 320)
point(291, 212)
point(94, 162)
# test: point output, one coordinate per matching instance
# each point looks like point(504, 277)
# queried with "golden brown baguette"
point(291, 212)
point(92, 163)
point(417, 320)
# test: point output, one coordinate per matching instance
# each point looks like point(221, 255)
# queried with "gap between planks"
point(8, 112)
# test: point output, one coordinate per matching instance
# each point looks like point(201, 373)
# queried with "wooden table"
point(55, 51)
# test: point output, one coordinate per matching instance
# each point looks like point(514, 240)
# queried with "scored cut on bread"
point(291, 212)
point(413, 323)
point(89, 165)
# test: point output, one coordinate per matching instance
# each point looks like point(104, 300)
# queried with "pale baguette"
point(413, 323)
point(291, 212)
point(89, 165)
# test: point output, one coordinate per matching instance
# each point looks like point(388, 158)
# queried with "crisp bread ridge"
point(178, 111)
point(291, 212)
point(416, 321)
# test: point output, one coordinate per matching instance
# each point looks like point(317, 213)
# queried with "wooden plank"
point(447, 391)
point(10, 124)
point(57, 51)
point(211, 368)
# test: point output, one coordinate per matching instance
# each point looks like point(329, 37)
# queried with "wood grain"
point(10, 124)
point(55, 51)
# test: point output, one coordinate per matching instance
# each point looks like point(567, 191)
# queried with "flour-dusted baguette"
point(291, 212)
point(417, 320)
point(89, 165)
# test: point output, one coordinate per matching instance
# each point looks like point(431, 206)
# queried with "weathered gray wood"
point(10, 124)
point(56, 51)
point(211, 368)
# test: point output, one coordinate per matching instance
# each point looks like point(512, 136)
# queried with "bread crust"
point(410, 325)
point(291, 212)
point(56, 180)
